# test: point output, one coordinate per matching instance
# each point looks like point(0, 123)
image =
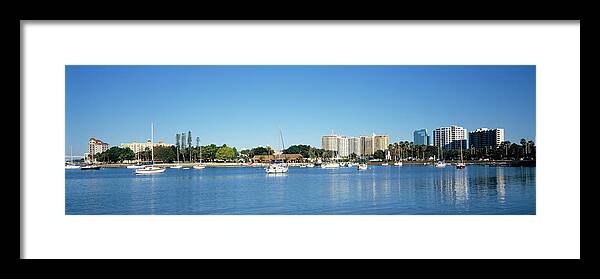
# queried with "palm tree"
point(177, 145)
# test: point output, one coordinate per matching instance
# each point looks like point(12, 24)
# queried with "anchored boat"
point(150, 169)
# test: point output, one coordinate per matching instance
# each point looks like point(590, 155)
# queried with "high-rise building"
point(450, 137)
point(329, 143)
point(366, 145)
point(380, 142)
point(486, 138)
point(141, 146)
point(421, 137)
point(96, 146)
point(355, 146)
point(343, 146)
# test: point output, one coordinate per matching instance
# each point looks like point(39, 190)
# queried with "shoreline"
point(262, 165)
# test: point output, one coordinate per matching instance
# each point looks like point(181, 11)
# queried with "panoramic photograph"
point(300, 140)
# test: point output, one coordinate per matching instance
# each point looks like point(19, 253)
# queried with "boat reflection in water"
point(411, 189)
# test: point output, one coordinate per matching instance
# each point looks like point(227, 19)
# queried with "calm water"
point(378, 190)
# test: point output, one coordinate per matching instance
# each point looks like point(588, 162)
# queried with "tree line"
point(183, 151)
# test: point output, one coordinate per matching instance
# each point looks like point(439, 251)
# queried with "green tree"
point(226, 153)
point(379, 154)
point(298, 149)
point(126, 154)
point(209, 152)
point(262, 151)
point(164, 154)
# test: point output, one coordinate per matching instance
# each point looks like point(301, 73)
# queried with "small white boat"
point(186, 168)
point(330, 165)
point(135, 166)
point(276, 168)
point(90, 167)
point(440, 164)
point(398, 164)
point(385, 164)
point(310, 165)
point(149, 170)
point(199, 167)
point(177, 167)
point(71, 165)
point(460, 165)
point(362, 166)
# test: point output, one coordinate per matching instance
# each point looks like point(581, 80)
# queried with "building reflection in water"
point(452, 187)
point(500, 185)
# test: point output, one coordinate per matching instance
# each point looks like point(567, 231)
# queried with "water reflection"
point(500, 185)
point(378, 190)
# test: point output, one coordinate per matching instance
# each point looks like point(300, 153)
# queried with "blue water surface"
point(385, 190)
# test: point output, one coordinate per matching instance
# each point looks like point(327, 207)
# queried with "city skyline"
point(246, 106)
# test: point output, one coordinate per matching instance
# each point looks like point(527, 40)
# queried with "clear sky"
point(245, 106)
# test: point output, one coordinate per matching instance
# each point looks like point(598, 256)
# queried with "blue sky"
point(245, 106)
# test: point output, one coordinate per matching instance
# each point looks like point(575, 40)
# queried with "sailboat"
point(91, 166)
point(177, 166)
point(460, 165)
point(362, 166)
point(200, 166)
point(71, 165)
point(277, 167)
point(399, 162)
point(440, 163)
point(150, 169)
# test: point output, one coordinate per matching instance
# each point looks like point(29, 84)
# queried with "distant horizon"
point(246, 106)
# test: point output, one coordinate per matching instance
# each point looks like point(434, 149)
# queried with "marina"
point(410, 189)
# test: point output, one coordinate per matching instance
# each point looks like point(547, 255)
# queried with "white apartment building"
point(354, 146)
point(450, 137)
point(380, 142)
point(96, 146)
point(343, 146)
point(141, 146)
point(364, 145)
point(329, 143)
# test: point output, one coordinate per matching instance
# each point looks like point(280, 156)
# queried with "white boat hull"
point(362, 167)
point(276, 169)
point(71, 167)
point(135, 167)
point(199, 167)
point(176, 167)
point(149, 170)
point(330, 166)
point(92, 167)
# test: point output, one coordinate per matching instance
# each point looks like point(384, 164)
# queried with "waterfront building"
point(141, 146)
point(420, 137)
point(354, 146)
point(450, 137)
point(96, 146)
point(380, 142)
point(366, 145)
point(329, 143)
point(486, 138)
point(343, 146)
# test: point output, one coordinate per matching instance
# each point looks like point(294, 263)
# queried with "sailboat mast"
point(461, 157)
point(152, 141)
